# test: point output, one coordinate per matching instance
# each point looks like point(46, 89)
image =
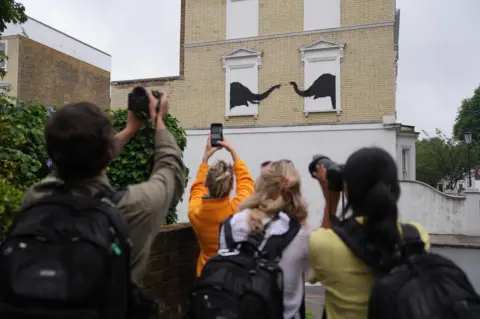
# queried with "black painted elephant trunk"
point(323, 86)
point(241, 95)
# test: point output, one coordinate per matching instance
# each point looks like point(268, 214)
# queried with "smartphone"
point(216, 133)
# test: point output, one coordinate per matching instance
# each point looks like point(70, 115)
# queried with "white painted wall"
point(321, 14)
point(242, 18)
point(59, 41)
point(437, 212)
point(440, 213)
point(297, 143)
point(408, 143)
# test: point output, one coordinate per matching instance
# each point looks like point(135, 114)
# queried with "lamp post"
point(468, 140)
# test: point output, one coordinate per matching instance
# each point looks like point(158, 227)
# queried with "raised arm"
point(167, 181)
point(133, 126)
point(146, 205)
point(198, 190)
point(331, 198)
point(245, 183)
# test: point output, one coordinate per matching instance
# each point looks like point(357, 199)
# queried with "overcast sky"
point(439, 61)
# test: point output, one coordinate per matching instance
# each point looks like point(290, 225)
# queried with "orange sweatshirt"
point(206, 214)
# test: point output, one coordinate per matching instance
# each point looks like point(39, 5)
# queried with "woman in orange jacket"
point(210, 198)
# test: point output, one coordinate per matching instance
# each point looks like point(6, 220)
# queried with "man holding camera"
point(81, 143)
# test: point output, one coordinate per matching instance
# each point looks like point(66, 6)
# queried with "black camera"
point(138, 102)
point(334, 171)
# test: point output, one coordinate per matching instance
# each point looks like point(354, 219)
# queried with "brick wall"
point(171, 272)
point(367, 81)
point(367, 70)
point(206, 19)
point(52, 77)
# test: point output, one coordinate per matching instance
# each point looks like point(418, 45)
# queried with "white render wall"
point(296, 143)
point(438, 212)
point(61, 42)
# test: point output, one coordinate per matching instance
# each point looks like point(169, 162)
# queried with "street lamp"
point(468, 140)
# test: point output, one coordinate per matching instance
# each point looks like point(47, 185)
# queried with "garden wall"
point(171, 271)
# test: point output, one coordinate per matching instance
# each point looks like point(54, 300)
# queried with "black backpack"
point(68, 257)
point(419, 285)
point(243, 282)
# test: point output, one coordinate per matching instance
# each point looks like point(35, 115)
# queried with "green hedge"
point(24, 161)
point(134, 164)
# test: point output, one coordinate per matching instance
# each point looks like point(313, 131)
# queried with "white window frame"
point(4, 67)
point(324, 50)
point(405, 166)
point(241, 57)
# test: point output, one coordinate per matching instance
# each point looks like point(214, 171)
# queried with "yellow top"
point(206, 214)
point(347, 280)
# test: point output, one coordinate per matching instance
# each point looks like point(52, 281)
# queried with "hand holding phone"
point(216, 134)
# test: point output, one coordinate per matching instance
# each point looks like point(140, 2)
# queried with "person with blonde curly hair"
point(273, 208)
point(210, 201)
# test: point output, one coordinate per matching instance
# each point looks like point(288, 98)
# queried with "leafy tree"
point(442, 158)
point(468, 118)
point(10, 12)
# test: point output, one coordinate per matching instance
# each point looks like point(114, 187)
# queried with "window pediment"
point(241, 54)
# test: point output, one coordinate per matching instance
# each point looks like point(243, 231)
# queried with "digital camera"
point(334, 171)
point(138, 102)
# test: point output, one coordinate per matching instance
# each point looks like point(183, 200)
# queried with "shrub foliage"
point(24, 161)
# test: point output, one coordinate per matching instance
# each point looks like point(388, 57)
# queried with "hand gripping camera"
point(138, 102)
point(334, 171)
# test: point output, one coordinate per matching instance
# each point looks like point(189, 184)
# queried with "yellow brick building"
point(258, 44)
point(367, 29)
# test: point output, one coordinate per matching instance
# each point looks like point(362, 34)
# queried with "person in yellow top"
point(372, 190)
point(210, 201)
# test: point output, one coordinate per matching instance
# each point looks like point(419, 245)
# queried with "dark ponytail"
point(373, 190)
point(381, 220)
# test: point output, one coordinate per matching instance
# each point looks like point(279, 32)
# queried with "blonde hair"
point(219, 180)
point(276, 189)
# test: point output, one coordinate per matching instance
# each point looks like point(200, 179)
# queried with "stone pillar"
point(472, 212)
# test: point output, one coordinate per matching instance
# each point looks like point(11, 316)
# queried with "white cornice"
point(290, 34)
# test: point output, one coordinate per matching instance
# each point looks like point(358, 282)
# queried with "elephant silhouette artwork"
point(323, 86)
point(241, 95)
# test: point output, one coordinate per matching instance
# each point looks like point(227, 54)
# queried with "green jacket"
point(144, 205)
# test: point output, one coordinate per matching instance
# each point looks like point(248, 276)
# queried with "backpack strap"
point(275, 245)
point(108, 209)
point(351, 232)
point(227, 228)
